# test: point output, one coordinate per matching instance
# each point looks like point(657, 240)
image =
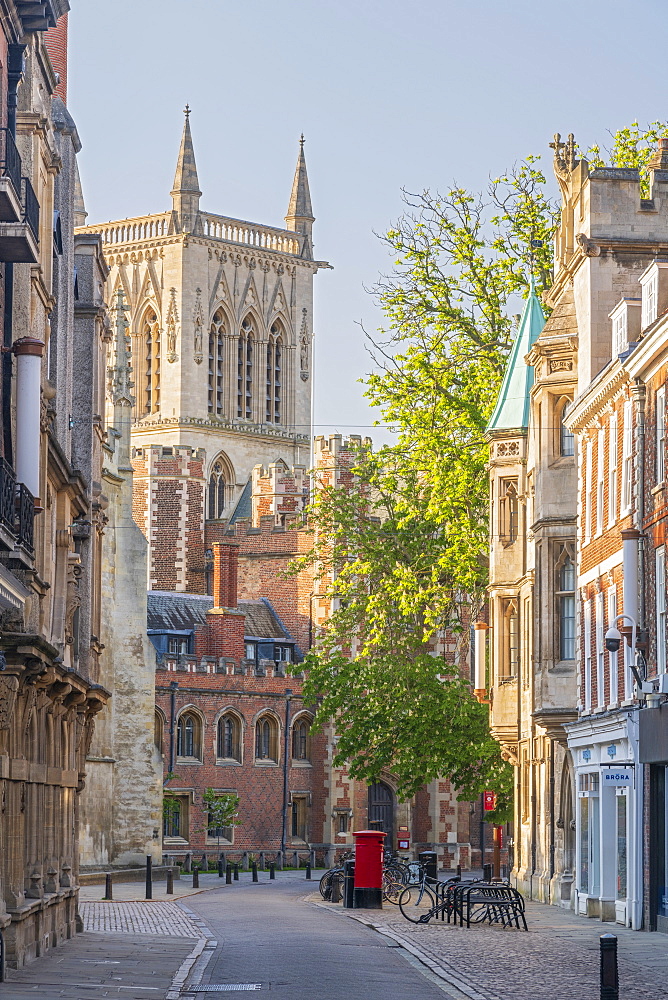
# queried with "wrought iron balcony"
point(10, 178)
point(7, 504)
point(25, 518)
point(19, 241)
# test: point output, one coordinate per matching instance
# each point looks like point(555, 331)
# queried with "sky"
point(390, 95)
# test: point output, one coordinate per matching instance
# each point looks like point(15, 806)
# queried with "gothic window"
point(216, 359)
point(566, 436)
point(150, 337)
point(508, 511)
point(216, 491)
point(229, 738)
point(510, 652)
point(245, 370)
point(565, 595)
point(300, 740)
point(266, 739)
point(174, 813)
point(158, 730)
point(189, 736)
point(273, 380)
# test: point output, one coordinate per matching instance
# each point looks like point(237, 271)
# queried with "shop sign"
point(617, 776)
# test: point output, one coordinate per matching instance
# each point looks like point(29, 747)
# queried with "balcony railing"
point(31, 208)
point(25, 517)
point(10, 161)
point(7, 496)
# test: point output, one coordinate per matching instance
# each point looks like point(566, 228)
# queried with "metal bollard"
point(272, 870)
point(487, 873)
point(108, 891)
point(221, 869)
point(609, 972)
point(254, 871)
point(228, 874)
point(349, 884)
point(170, 882)
point(236, 873)
point(459, 872)
point(336, 889)
point(262, 864)
point(308, 870)
point(149, 877)
point(195, 877)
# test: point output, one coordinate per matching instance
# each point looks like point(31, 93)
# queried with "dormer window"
point(626, 325)
point(654, 284)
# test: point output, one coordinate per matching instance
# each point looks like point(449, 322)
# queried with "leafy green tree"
point(222, 811)
point(401, 547)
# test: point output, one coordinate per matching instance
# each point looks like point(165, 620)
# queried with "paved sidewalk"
point(558, 957)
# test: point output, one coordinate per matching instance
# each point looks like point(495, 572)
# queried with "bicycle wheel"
point(416, 903)
point(326, 882)
point(392, 887)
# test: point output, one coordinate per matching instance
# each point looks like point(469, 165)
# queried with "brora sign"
point(617, 776)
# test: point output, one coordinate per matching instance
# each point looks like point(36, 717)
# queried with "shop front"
point(653, 751)
point(608, 820)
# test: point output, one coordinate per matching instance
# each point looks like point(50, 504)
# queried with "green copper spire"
point(512, 406)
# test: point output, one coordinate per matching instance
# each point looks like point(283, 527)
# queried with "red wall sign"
point(489, 801)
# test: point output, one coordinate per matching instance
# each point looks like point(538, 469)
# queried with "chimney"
point(225, 564)
point(56, 45)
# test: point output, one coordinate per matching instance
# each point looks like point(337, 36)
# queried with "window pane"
point(567, 627)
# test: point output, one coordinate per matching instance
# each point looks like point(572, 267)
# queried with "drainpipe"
point(28, 353)
point(639, 391)
point(286, 750)
point(172, 717)
point(551, 818)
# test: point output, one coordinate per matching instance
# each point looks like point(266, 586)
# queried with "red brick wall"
point(55, 40)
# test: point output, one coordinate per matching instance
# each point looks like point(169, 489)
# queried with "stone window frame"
point(564, 439)
point(235, 759)
point(562, 593)
point(509, 510)
point(184, 799)
point(159, 722)
point(211, 839)
point(219, 486)
point(274, 373)
point(197, 744)
point(267, 740)
point(246, 343)
point(300, 815)
point(510, 655)
point(300, 739)
point(218, 328)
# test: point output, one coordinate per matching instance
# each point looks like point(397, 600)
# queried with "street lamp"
point(613, 640)
point(286, 749)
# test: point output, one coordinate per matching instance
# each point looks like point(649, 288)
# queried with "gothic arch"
point(220, 486)
point(218, 333)
point(146, 359)
point(247, 364)
point(275, 373)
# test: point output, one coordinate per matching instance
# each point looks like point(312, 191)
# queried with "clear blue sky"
point(389, 94)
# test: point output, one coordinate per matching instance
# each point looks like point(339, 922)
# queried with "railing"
point(25, 517)
point(219, 227)
point(31, 208)
point(10, 163)
point(7, 494)
point(133, 230)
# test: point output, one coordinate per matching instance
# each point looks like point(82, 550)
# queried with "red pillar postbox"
point(369, 869)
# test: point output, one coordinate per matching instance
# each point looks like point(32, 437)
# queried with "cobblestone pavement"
point(558, 957)
point(149, 917)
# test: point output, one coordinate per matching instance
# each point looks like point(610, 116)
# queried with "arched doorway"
point(381, 811)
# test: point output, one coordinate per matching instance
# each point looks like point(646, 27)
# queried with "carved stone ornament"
point(509, 753)
point(9, 687)
point(561, 365)
point(588, 247)
point(564, 160)
point(73, 601)
point(172, 327)
point(303, 349)
point(198, 324)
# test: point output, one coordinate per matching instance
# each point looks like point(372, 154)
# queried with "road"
point(268, 936)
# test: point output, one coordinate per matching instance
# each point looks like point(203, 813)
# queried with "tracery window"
point(217, 486)
point(273, 381)
point(150, 335)
point(566, 436)
point(245, 370)
point(229, 737)
point(216, 362)
point(189, 736)
point(300, 740)
point(508, 510)
point(266, 739)
point(511, 639)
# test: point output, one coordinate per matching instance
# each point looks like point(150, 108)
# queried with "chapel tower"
point(221, 326)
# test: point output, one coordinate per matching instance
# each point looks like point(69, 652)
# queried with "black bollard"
point(149, 877)
point(254, 871)
point(336, 889)
point(170, 882)
point(349, 884)
point(459, 872)
point(430, 862)
point(308, 871)
point(228, 874)
point(221, 869)
point(487, 873)
point(236, 873)
point(272, 870)
point(195, 877)
point(108, 891)
point(609, 973)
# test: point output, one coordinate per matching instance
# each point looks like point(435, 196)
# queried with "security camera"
point(613, 640)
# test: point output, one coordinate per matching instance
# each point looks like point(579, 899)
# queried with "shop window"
point(622, 837)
